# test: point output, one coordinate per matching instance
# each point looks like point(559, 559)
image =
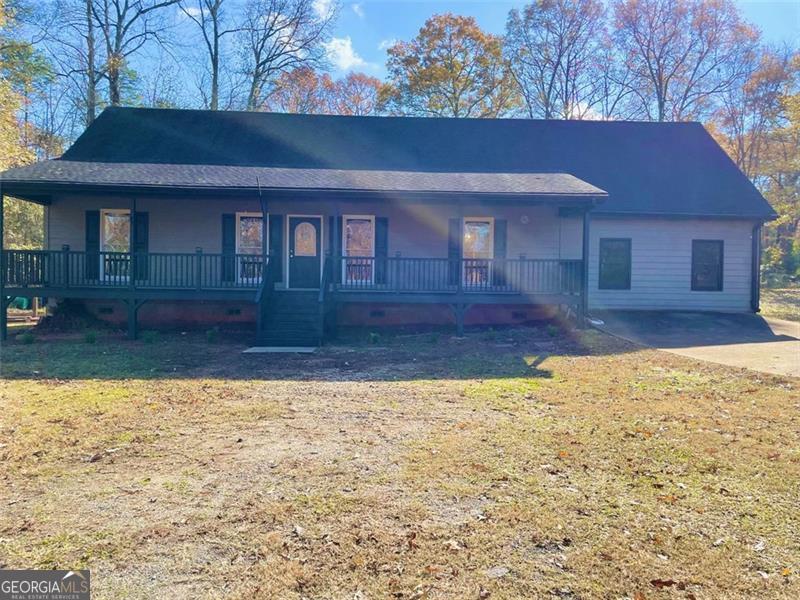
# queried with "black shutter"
point(454, 251)
point(500, 244)
point(381, 249)
point(92, 262)
point(141, 244)
point(276, 246)
point(228, 247)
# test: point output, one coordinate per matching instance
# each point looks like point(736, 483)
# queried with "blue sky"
point(365, 27)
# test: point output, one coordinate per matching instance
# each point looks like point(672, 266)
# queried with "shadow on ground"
point(679, 329)
point(356, 356)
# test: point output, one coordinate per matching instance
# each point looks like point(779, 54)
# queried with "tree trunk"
point(113, 83)
point(91, 81)
point(252, 96)
point(215, 73)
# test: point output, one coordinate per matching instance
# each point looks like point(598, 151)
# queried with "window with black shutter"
point(707, 261)
point(615, 264)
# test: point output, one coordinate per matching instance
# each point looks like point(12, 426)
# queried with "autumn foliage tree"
point(450, 69)
point(23, 222)
point(308, 91)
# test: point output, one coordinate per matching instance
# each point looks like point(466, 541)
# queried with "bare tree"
point(750, 110)
point(278, 36)
point(125, 27)
point(210, 18)
point(683, 53)
point(72, 48)
point(553, 49)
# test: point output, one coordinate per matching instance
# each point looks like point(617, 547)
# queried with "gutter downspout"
point(755, 270)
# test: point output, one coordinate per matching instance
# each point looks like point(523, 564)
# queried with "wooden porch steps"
point(292, 318)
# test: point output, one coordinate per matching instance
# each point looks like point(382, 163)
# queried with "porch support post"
point(333, 316)
point(133, 322)
point(132, 246)
point(460, 308)
point(3, 304)
point(266, 269)
point(583, 309)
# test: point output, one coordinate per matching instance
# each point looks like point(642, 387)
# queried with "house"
point(298, 222)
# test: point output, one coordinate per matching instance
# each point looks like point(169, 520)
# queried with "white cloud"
point(358, 8)
point(386, 44)
point(323, 7)
point(184, 12)
point(343, 56)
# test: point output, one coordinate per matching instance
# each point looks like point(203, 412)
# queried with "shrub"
point(212, 335)
point(26, 337)
point(552, 330)
point(149, 337)
point(374, 337)
point(90, 337)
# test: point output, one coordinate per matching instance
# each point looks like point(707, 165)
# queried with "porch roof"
point(63, 175)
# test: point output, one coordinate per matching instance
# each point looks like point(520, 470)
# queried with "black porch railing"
point(397, 274)
point(186, 271)
point(201, 271)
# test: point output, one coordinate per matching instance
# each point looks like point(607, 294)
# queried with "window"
point(707, 261)
point(615, 264)
point(478, 250)
point(249, 245)
point(478, 237)
point(359, 243)
point(115, 230)
point(305, 240)
point(115, 237)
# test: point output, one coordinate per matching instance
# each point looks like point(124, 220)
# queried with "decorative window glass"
point(305, 240)
point(249, 238)
point(615, 264)
point(478, 238)
point(707, 265)
point(359, 243)
point(359, 236)
point(115, 227)
point(115, 236)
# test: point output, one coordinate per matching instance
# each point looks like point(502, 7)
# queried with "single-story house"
point(299, 222)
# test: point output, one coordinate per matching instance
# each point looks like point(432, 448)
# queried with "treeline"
point(63, 61)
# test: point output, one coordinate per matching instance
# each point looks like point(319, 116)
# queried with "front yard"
point(528, 463)
point(781, 303)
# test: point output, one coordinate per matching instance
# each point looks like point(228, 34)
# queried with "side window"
point(615, 264)
point(707, 265)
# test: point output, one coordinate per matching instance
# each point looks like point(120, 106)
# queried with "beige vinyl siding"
point(415, 229)
point(661, 248)
point(661, 264)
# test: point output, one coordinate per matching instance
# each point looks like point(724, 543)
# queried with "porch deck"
point(199, 275)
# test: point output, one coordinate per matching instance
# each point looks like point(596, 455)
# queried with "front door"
point(304, 251)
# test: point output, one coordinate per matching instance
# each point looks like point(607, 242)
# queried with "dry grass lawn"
point(512, 464)
point(781, 303)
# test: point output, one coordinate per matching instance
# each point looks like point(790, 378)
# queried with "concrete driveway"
point(739, 340)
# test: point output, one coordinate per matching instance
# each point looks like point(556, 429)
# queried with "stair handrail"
point(267, 285)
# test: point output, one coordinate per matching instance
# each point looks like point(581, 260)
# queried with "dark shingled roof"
point(646, 168)
point(226, 176)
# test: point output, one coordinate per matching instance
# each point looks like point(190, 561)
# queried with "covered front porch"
point(461, 245)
